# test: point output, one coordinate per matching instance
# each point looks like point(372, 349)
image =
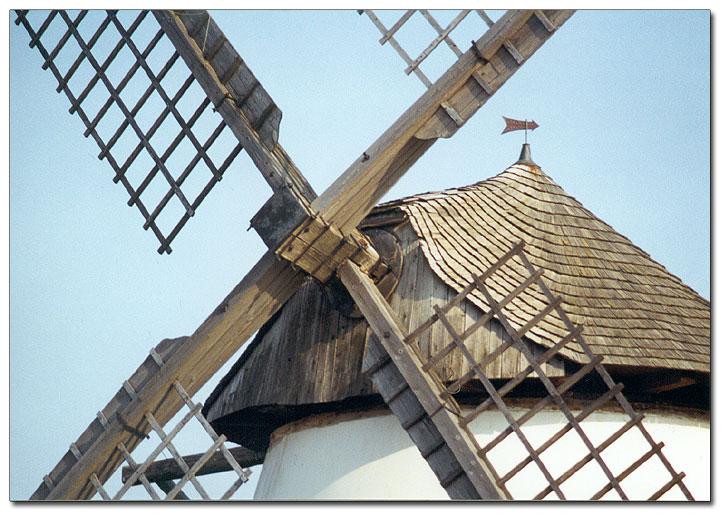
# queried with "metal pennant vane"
point(519, 125)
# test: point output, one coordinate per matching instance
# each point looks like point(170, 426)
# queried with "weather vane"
point(518, 125)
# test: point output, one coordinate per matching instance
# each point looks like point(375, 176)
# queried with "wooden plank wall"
point(313, 354)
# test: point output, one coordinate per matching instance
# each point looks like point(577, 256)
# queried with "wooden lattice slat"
point(129, 459)
point(122, 119)
point(174, 490)
point(554, 394)
point(137, 472)
point(443, 34)
point(388, 35)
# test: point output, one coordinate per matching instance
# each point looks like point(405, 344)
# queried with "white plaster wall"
point(372, 457)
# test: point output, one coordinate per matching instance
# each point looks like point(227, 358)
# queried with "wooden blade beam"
point(459, 472)
point(264, 289)
point(272, 281)
point(213, 76)
point(348, 200)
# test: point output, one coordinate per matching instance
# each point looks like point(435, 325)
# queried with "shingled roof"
point(634, 311)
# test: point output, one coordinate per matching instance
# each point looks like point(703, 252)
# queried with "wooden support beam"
point(667, 383)
point(388, 330)
point(264, 290)
point(412, 416)
point(167, 470)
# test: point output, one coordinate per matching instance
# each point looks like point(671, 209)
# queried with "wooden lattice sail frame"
point(437, 424)
point(189, 472)
point(119, 110)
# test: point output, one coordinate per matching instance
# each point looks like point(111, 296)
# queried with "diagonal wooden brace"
point(426, 390)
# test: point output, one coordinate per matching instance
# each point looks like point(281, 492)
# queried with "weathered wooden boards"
point(315, 352)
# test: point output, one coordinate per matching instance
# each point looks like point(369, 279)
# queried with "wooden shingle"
point(635, 312)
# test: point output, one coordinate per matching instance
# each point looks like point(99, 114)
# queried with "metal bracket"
point(279, 216)
point(130, 428)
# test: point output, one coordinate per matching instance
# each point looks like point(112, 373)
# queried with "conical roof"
point(634, 311)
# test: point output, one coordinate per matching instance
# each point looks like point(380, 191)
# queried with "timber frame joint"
point(290, 228)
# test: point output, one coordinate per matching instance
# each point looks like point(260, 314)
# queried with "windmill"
point(297, 187)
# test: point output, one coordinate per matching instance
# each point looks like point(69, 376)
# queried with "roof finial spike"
point(526, 156)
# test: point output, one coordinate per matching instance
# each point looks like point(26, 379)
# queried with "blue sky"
point(623, 103)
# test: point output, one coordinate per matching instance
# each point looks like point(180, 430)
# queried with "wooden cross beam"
point(168, 470)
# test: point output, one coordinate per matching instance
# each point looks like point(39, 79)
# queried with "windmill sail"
point(156, 386)
point(439, 427)
point(167, 183)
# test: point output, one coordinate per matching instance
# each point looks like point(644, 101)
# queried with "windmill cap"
point(526, 156)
